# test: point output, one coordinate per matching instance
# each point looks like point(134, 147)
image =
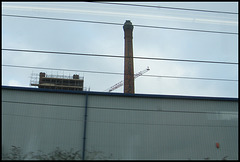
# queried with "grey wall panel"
point(163, 104)
point(139, 129)
point(44, 111)
point(121, 127)
point(162, 142)
point(42, 121)
point(44, 97)
point(32, 134)
point(163, 118)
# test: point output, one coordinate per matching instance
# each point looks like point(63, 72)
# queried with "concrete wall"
point(120, 126)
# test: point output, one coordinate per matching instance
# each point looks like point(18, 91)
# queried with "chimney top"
point(128, 25)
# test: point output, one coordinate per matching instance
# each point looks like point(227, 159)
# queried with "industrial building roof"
point(121, 94)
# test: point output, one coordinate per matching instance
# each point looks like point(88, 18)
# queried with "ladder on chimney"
point(115, 86)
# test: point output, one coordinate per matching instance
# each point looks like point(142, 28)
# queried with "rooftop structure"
point(74, 83)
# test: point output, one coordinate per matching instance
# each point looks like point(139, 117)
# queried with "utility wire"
point(44, 104)
point(166, 124)
point(173, 8)
point(74, 70)
point(197, 78)
point(114, 73)
point(120, 24)
point(128, 123)
point(42, 117)
point(123, 109)
point(114, 56)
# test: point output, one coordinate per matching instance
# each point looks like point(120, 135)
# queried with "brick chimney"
point(128, 58)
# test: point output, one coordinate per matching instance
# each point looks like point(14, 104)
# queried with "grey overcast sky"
point(93, 38)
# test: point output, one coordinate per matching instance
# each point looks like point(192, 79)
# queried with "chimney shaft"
point(128, 58)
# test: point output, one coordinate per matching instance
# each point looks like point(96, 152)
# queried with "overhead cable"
point(173, 8)
point(121, 108)
point(120, 24)
point(115, 73)
point(116, 56)
point(128, 123)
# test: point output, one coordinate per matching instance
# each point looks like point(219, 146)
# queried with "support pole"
point(85, 128)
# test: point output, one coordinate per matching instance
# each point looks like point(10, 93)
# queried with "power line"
point(162, 110)
point(197, 78)
point(122, 109)
point(92, 121)
point(173, 8)
point(44, 104)
point(114, 73)
point(42, 117)
point(165, 124)
point(115, 56)
point(74, 70)
point(111, 23)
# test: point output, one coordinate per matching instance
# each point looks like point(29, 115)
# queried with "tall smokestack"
point(128, 58)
